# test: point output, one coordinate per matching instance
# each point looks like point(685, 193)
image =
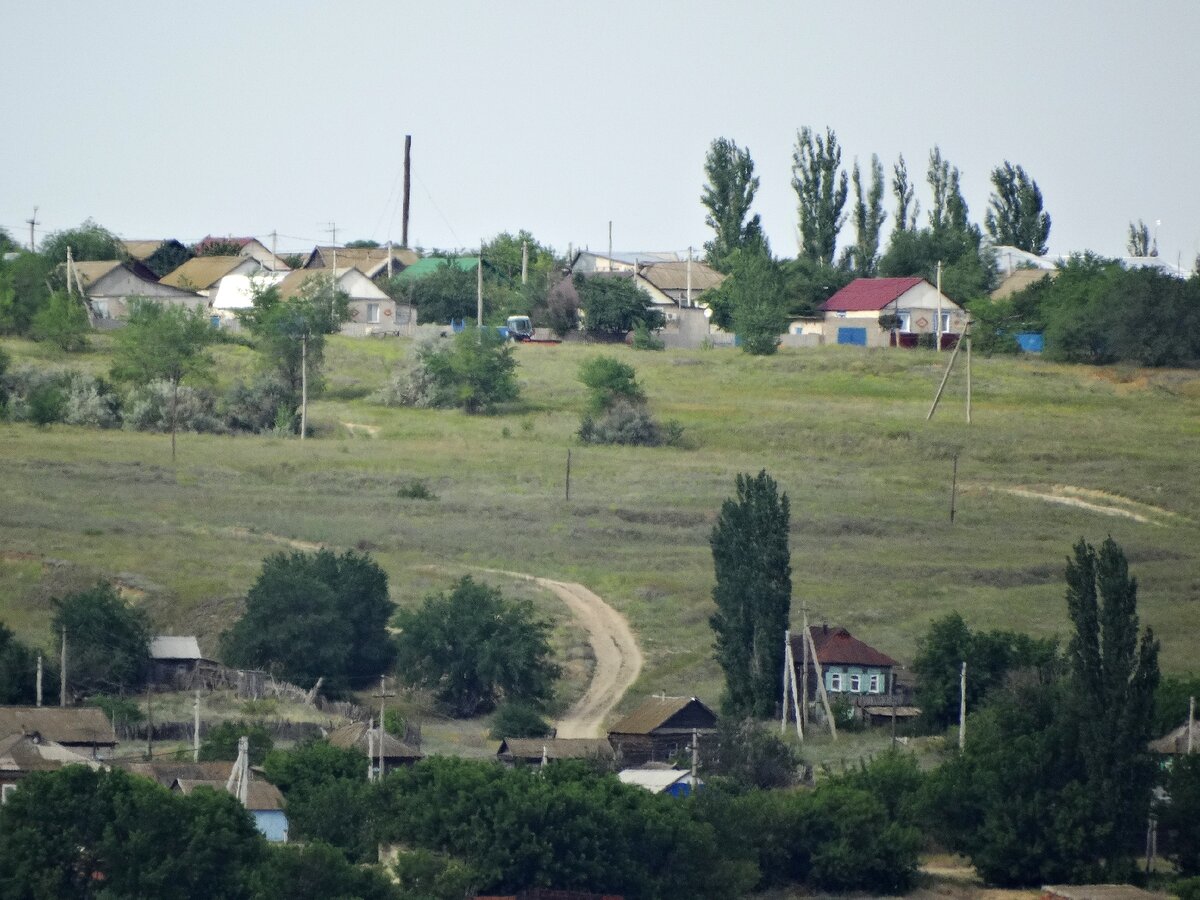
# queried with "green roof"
point(429, 264)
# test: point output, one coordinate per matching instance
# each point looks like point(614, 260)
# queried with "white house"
point(371, 310)
point(852, 315)
point(202, 274)
point(109, 286)
point(236, 292)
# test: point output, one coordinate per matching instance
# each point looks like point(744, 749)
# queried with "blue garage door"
point(857, 336)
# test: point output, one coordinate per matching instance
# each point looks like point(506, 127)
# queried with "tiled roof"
point(869, 294)
point(65, 725)
point(837, 646)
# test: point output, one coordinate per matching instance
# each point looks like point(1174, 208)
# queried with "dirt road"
point(618, 659)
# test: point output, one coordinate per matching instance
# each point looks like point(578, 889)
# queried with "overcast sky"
point(172, 120)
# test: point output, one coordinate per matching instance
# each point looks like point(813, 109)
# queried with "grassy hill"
point(842, 430)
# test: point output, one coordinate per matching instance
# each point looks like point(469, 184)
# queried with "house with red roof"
point(848, 665)
point(853, 314)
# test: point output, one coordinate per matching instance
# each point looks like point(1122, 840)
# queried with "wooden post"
point(303, 385)
point(382, 728)
point(962, 707)
point(39, 680)
point(568, 473)
point(695, 757)
point(953, 488)
point(196, 730)
point(791, 664)
point(524, 262)
point(407, 184)
point(62, 675)
point(968, 381)
point(370, 750)
point(945, 378)
point(804, 668)
point(821, 685)
point(149, 723)
point(479, 289)
point(1191, 722)
point(783, 707)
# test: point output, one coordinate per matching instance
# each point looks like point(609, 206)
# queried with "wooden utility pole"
point(524, 262)
point(789, 685)
point(479, 288)
point(149, 723)
point(939, 307)
point(389, 259)
point(568, 473)
point(695, 759)
point(968, 380)
point(953, 488)
point(962, 707)
point(812, 647)
point(1191, 723)
point(274, 243)
point(39, 680)
point(62, 675)
point(303, 385)
point(382, 728)
point(32, 221)
point(407, 185)
point(196, 729)
point(945, 378)
point(688, 294)
point(610, 259)
point(370, 750)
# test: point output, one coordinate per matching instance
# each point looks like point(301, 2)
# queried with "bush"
point(74, 398)
point(645, 339)
point(627, 423)
point(90, 401)
point(415, 489)
point(264, 405)
point(609, 380)
point(148, 408)
point(221, 742)
point(46, 403)
point(752, 756)
point(475, 372)
point(63, 321)
point(515, 719)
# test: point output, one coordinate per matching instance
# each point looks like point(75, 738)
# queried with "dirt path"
point(618, 659)
point(1092, 500)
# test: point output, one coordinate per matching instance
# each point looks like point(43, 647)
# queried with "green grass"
point(843, 431)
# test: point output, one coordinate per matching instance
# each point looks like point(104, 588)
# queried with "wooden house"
point(24, 754)
point(660, 728)
point(81, 729)
point(358, 736)
point(534, 750)
point(849, 666)
point(371, 261)
point(176, 661)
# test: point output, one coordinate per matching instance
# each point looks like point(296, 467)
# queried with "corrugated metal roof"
point(838, 647)
point(653, 713)
point(673, 276)
point(869, 294)
point(203, 272)
point(655, 780)
point(555, 748)
point(65, 725)
point(172, 647)
point(430, 264)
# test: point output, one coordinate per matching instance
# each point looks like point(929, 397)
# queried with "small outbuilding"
point(660, 728)
point(675, 782)
point(854, 315)
point(176, 661)
point(82, 729)
point(362, 737)
point(534, 750)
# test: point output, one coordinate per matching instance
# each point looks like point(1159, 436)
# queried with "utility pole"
point(945, 376)
point(407, 184)
point(790, 691)
point(962, 707)
point(149, 724)
point(39, 680)
point(479, 289)
point(370, 750)
point(382, 729)
point(62, 675)
point(70, 268)
point(303, 384)
point(274, 241)
point(804, 667)
point(689, 279)
point(332, 229)
point(524, 262)
point(968, 380)
point(568, 473)
point(196, 729)
point(939, 307)
point(610, 259)
point(695, 759)
point(1191, 723)
point(32, 221)
point(389, 259)
point(820, 680)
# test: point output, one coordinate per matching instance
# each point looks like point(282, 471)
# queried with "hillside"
point(1054, 453)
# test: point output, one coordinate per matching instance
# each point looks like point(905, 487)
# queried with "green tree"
point(447, 294)
point(728, 195)
point(221, 742)
point(752, 593)
point(608, 380)
point(475, 372)
point(1113, 676)
point(1171, 701)
point(518, 719)
point(217, 247)
point(990, 657)
point(863, 256)
point(908, 208)
point(473, 648)
point(361, 244)
point(1180, 818)
point(752, 756)
point(290, 334)
point(425, 875)
point(108, 641)
point(163, 343)
point(1015, 215)
point(7, 244)
point(79, 833)
point(169, 256)
point(821, 188)
point(24, 290)
point(317, 871)
point(613, 306)
point(62, 321)
point(1139, 243)
point(752, 301)
point(18, 670)
point(89, 241)
point(314, 615)
point(808, 284)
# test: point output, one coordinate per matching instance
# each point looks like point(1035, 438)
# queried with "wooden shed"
point(660, 728)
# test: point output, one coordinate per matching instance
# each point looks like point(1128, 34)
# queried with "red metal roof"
point(867, 294)
point(837, 646)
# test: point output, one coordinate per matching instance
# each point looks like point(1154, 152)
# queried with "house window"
point(373, 313)
point(841, 314)
point(856, 684)
point(905, 321)
point(875, 684)
point(945, 321)
point(835, 681)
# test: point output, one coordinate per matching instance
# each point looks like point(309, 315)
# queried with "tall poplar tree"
point(821, 188)
point(727, 196)
point(1015, 215)
point(753, 593)
point(869, 217)
point(907, 206)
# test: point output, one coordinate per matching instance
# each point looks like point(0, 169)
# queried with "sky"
point(173, 120)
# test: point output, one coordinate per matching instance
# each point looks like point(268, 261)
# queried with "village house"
point(660, 728)
point(176, 662)
point(371, 261)
point(854, 314)
point(202, 274)
point(849, 666)
point(246, 246)
point(365, 739)
point(110, 286)
point(24, 754)
point(371, 310)
point(84, 730)
point(534, 751)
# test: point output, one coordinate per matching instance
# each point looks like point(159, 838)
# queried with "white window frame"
point(835, 681)
point(875, 688)
point(372, 313)
point(841, 314)
point(905, 321)
point(5, 790)
point(856, 684)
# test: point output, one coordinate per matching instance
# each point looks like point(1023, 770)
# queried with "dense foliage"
point(752, 593)
point(613, 305)
point(1015, 215)
point(108, 641)
point(1180, 817)
point(221, 742)
point(18, 670)
point(475, 372)
point(728, 194)
point(316, 615)
point(473, 647)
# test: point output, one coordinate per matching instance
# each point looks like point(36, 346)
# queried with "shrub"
point(627, 423)
point(514, 719)
point(46, 404)
point(148, 408)
point(63, 321)
point(753, 756)
point(415, 489)
point(221, 742)
point(609, 380)
point(645, 339)
point(264, 405)
point(90, 401)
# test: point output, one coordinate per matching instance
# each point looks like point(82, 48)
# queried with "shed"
point(176, 659)
point(534, 750)
point(23, 754)
point(676, 782)
point(660, 728)
point(355, 736)
point(83, 729)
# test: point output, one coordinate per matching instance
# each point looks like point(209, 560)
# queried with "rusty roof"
point(64, 725)
point(653, 713)
point(202, 272)
point(555, 748)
